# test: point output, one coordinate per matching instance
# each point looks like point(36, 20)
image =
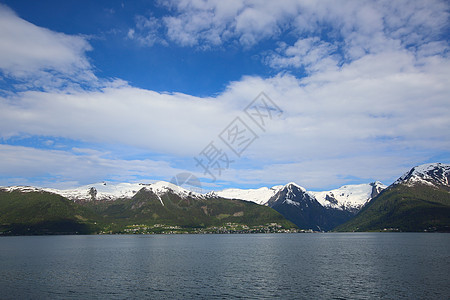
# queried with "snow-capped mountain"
point(317, 210)
point(311, 210)
point(435, 174)
point(260, 196)
point(100, 191)
point(349, 197)
point(152, 208)
point(110, 191)
point(292, 194)
point(301, 207)
point(418, 201)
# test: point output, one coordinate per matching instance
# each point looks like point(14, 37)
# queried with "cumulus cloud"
point(41, 57)
point(206, 23)
point(344, 32)
point(339, 122)
point(362, 24)
point(164, 123)
point(329, 33)
point(201, 21)
point(370, 105)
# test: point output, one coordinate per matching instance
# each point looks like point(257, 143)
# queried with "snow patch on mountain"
point(349, 197)
point(111, 191)
point(162, 187)
point(290, 185)
point(292, 190)
point(291, 202)
point(259, 196)
point(100, 191)
point(24, 189)
point(433, 174)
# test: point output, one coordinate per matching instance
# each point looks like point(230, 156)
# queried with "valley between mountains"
point(418, 201)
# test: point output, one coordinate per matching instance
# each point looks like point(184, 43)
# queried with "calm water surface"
point(259, 266)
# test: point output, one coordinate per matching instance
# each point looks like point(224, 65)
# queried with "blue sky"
point(239, 93)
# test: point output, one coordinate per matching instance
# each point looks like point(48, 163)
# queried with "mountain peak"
point(349, 197)
point(436, 174)
point(293, 184)
point(163, 187)
point(292, 194)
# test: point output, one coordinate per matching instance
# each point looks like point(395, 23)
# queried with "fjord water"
point(258, 266)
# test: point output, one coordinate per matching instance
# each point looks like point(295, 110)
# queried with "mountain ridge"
point(31, 211)
point(310, 216)
point(425, 186)
point(437, 174)
point(112, 191)
point(419, 200)
point(349, 197)
point(314, 215)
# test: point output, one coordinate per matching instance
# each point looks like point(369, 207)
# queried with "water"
point(259, 266)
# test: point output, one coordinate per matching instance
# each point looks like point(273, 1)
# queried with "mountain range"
point(125, 208)
point(418, 201)
point(321, 211)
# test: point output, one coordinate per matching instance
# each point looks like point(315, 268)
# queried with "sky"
point(238, 93)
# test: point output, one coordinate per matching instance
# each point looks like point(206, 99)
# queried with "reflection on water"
point(332, 265)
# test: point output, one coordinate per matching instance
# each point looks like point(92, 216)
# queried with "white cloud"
point(345, 31)
point(207, 23)
point(376, 116)
point(69, 169)
point(371, 112)
point(35, 54)
point(355, 28)
point(201, 21)
point(310, 53)
point(326, 173)
point(368, 118)
point(415, 22)
point(164, 123)
point(147, 31)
